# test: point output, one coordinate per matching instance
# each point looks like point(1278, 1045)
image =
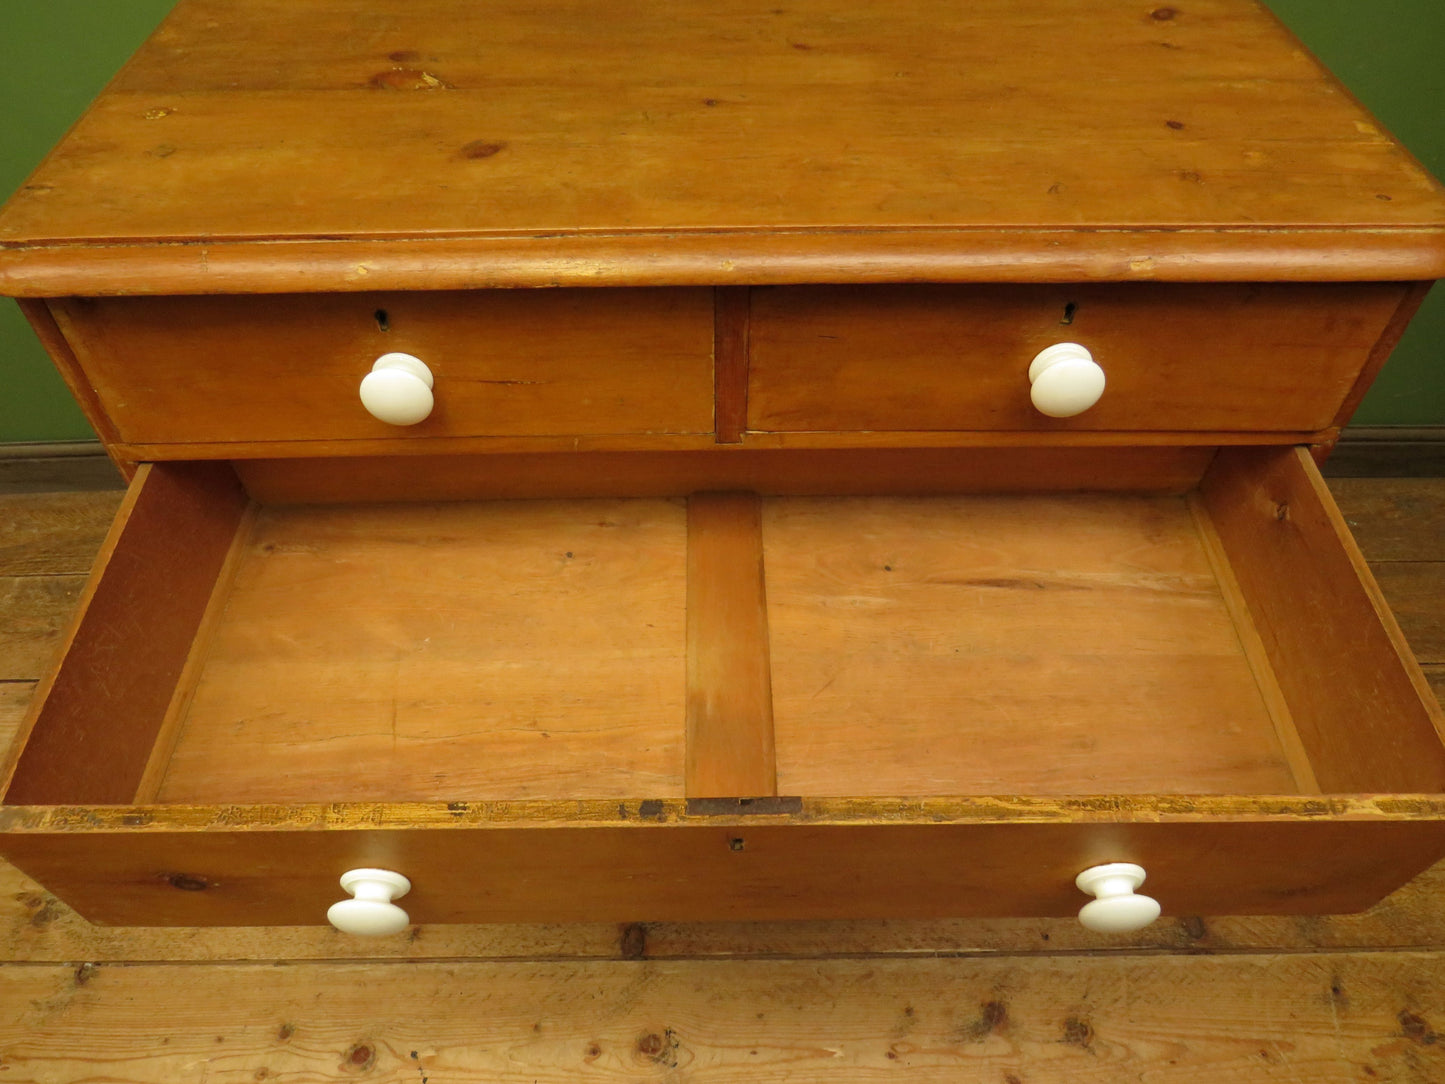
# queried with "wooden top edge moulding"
point(433, 144)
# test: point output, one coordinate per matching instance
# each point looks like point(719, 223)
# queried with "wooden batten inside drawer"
point(1227, 640)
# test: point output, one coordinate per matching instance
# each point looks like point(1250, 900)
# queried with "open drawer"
point(723, 705)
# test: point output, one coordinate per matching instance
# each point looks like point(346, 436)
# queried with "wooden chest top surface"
point(264, 145)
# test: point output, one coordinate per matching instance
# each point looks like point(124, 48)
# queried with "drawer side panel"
point(1359, 701)
point(93, 724)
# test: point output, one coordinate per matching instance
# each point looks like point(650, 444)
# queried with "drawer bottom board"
point(536, 649)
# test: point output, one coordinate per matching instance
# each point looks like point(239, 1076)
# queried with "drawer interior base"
point(1222, 641)
point(1032, 644)
point(519, 649)
point(965, 645)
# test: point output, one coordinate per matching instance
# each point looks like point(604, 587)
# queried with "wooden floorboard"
point(36, 613)
point(1331, 998)
point(1326, 1019)
point(1414, 590)
point(54, 535)
point(1394, 519)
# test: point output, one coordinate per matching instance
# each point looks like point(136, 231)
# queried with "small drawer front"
point(504, 363)
point(1175, 357)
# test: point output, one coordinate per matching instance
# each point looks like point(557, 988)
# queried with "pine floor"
point(1238, 1000)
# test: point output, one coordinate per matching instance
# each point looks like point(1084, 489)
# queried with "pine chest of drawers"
point(743, 461)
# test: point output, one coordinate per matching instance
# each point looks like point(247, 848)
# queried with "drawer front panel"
point(1278, 357)
point(698, 872)
point(505, 363)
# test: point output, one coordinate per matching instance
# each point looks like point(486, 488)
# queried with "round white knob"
point(1066, 380)
point(398, 389)
point(1118, 908)
point(370, 912)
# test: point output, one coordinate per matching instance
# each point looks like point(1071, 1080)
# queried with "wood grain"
point(1413, 590)
point(650, 861)
point(37, 610)
point(1291, 747)
point(88, 469)
point(37, 927)
point(1380, 352)
point(1324, 625)
point(42, 321)
point(1142, 1009)
point(1176, 357)
point(94, 718)
point(163, 746)
point(506, 363)
point(452, 651)
point(953, 646)
point(1250, 1019)
point(730, 362)
point(769, 471)
point(14, 698)
point(1435, 675)
point(713, 257)
point(56, 536)
point(1394, 519)
point(730, 749)
point(696, 442)
point(909, 117)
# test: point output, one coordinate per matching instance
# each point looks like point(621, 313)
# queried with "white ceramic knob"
point(1117, 908)
point(398, 389)
point(1066, 380)
point(370, 912)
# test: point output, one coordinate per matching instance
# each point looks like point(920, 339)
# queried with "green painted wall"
point(59, 53)
point(1391, 54)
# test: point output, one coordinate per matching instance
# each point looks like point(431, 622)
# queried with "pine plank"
point(53, 534)
point(1177, 357)
point(830, 145)
point(491, 650)
point(730, 751)
point(36, 927)
point(908, 635)
point(1415, 591)
point(103, 702)
point(37, 610)
point(48, 474)
point(1394, 519)
point(506, 363)
point(1325, 1019)
point(1435, 675)
point(14, 699)
point(1324, 623)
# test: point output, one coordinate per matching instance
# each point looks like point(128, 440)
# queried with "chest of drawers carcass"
point(752, 462)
